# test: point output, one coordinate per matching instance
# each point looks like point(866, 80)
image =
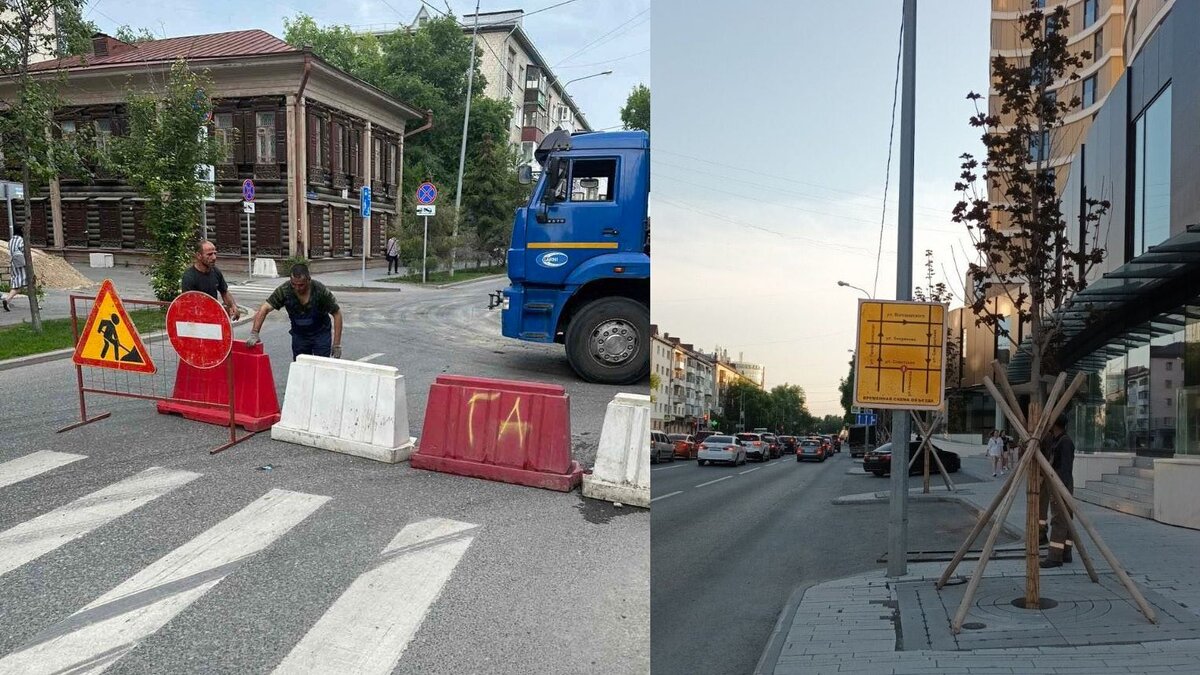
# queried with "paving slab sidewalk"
point(854, 625)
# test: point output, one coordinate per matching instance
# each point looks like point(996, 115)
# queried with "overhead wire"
point(887, 174)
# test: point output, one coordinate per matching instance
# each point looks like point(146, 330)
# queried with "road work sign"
point(109, 339)
point(900, 360)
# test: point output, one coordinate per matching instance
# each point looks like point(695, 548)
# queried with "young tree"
point(492, 193)
point(25, 124)
point(636, 113)
point(1021, 236)
point(159, 156)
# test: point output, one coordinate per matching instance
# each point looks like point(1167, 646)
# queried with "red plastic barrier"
point(255, 405)
point(515, 432)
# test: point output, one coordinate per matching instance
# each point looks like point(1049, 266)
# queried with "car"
point(787, 445)
point(721, 448)
point(879, 460)
point(829, 447)
point(699, 436)
point(810, 448)
point(685, 445)
point(755, 446)
point(772, 442)
point(661, 448)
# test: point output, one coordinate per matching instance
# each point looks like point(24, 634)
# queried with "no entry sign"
point(199, 330)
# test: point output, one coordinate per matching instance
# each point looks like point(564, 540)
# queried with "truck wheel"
point(608, 341)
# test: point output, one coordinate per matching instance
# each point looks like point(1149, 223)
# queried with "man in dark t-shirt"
point(310, 306)
point(1062, 459)
point(204, 276)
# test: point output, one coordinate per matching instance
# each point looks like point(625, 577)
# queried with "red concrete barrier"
point(503, 430)
point(255, 405)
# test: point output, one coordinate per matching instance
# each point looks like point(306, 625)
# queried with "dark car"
point(772, 442)
point(756, 447)
point(879, 460)
point(787, 445)
point(810, 448)
point(699, 436)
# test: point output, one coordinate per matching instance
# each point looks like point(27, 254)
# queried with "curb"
point(34, 359)
point(770, 655)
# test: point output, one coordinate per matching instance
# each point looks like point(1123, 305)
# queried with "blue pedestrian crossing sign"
point(426, 193)
point(364, 205)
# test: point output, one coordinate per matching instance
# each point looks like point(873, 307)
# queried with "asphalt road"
point(542, 582)
point(731, 544)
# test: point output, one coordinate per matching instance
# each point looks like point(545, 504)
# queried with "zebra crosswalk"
point(364, 632)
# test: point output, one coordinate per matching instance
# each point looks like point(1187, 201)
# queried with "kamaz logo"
point(552, 259)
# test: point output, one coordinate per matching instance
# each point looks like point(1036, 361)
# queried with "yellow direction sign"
point(109, 339)
point(900, 357)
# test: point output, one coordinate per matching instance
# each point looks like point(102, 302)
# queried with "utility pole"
point(898, 508)
point(462, 151)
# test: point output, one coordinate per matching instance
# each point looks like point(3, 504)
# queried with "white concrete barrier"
point(622, 471)
point(265, 267)
point(346, 406)
point(1175, 500)
point(1093, 465)
point(100, 259)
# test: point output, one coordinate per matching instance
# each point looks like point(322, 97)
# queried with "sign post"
point(426, 196)
point(364, 209)
point(248, 209)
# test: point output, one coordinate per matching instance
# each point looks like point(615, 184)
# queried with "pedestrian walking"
point(1062, 459)
point(393, 254)
point(310, 306)
point(17, 279)
point(206, 277)
point(995, 451)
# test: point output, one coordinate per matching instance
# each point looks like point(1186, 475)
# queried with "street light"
point(607, 72)
point(842, 283)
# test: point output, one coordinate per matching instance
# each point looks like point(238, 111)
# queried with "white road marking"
point(21, 468)
point(200, 331)
point(714, 481)
point(368, 628)
point(669, 494)
point(371, 357)
point(665, 468)
point(97, 636)
point(35, 538)
point(740, 473)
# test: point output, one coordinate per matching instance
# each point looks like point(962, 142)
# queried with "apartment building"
point(687, 392)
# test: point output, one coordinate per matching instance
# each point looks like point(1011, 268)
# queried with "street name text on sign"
point(426, 210)
point(248, 190)
point(427, 193)
point(899, 362)
point(199, 330)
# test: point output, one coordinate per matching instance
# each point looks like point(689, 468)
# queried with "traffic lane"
point(724, 562)
point(685, 475)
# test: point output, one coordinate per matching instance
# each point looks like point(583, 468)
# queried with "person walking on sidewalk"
point(17, 279)
point(995, 451)
point(309, 306)
point(1062, 458)
point(393, 254)
point(204, 276)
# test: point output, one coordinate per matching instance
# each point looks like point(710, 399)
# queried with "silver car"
point(661, 448)
point(721, 449)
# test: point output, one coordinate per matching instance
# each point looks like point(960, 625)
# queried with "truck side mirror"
point(525, 174)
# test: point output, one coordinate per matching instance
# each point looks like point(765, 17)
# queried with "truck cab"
point(579, 261)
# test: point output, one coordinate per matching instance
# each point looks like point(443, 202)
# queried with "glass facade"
point(1152, 174)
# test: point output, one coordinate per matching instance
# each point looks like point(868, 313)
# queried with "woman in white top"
point(17, 276)
point(995, 450)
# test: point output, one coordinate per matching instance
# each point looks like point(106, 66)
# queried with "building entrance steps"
point(1130, 490)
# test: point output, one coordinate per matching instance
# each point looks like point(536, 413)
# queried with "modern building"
point(308, 135)
point(516, 72)
point(755, 372)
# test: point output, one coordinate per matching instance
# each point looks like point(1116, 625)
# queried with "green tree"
point(25, 124)
point(636, 113)
point(846, 387)
point(74, 32)
point(159, 157)
point(131, 35)
point(491, 193)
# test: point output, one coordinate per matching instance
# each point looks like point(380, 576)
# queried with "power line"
point(887, 174)
point(601, 63)
point(597, 40)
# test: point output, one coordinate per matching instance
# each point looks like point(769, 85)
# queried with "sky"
point(578, 38)
point(769, 152)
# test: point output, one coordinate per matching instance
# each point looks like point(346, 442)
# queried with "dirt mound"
point(51, 270)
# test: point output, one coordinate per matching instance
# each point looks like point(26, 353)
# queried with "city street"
point(124, 544)
point(732, 544)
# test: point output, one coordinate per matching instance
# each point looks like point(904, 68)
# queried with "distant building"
point(755, 372)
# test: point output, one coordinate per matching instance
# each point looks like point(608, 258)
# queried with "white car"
point(721, 448)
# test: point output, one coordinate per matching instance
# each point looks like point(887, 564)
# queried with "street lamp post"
point(843, 283)
point(607, 72)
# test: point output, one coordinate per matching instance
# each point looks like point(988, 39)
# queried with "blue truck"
point(579, 261)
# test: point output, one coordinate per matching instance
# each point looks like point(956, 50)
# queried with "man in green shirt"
point(309, 306)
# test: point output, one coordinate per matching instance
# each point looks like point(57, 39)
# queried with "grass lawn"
point(444, 277)
point(20, 340)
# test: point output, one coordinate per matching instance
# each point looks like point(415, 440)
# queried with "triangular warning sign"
point(110, 340)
